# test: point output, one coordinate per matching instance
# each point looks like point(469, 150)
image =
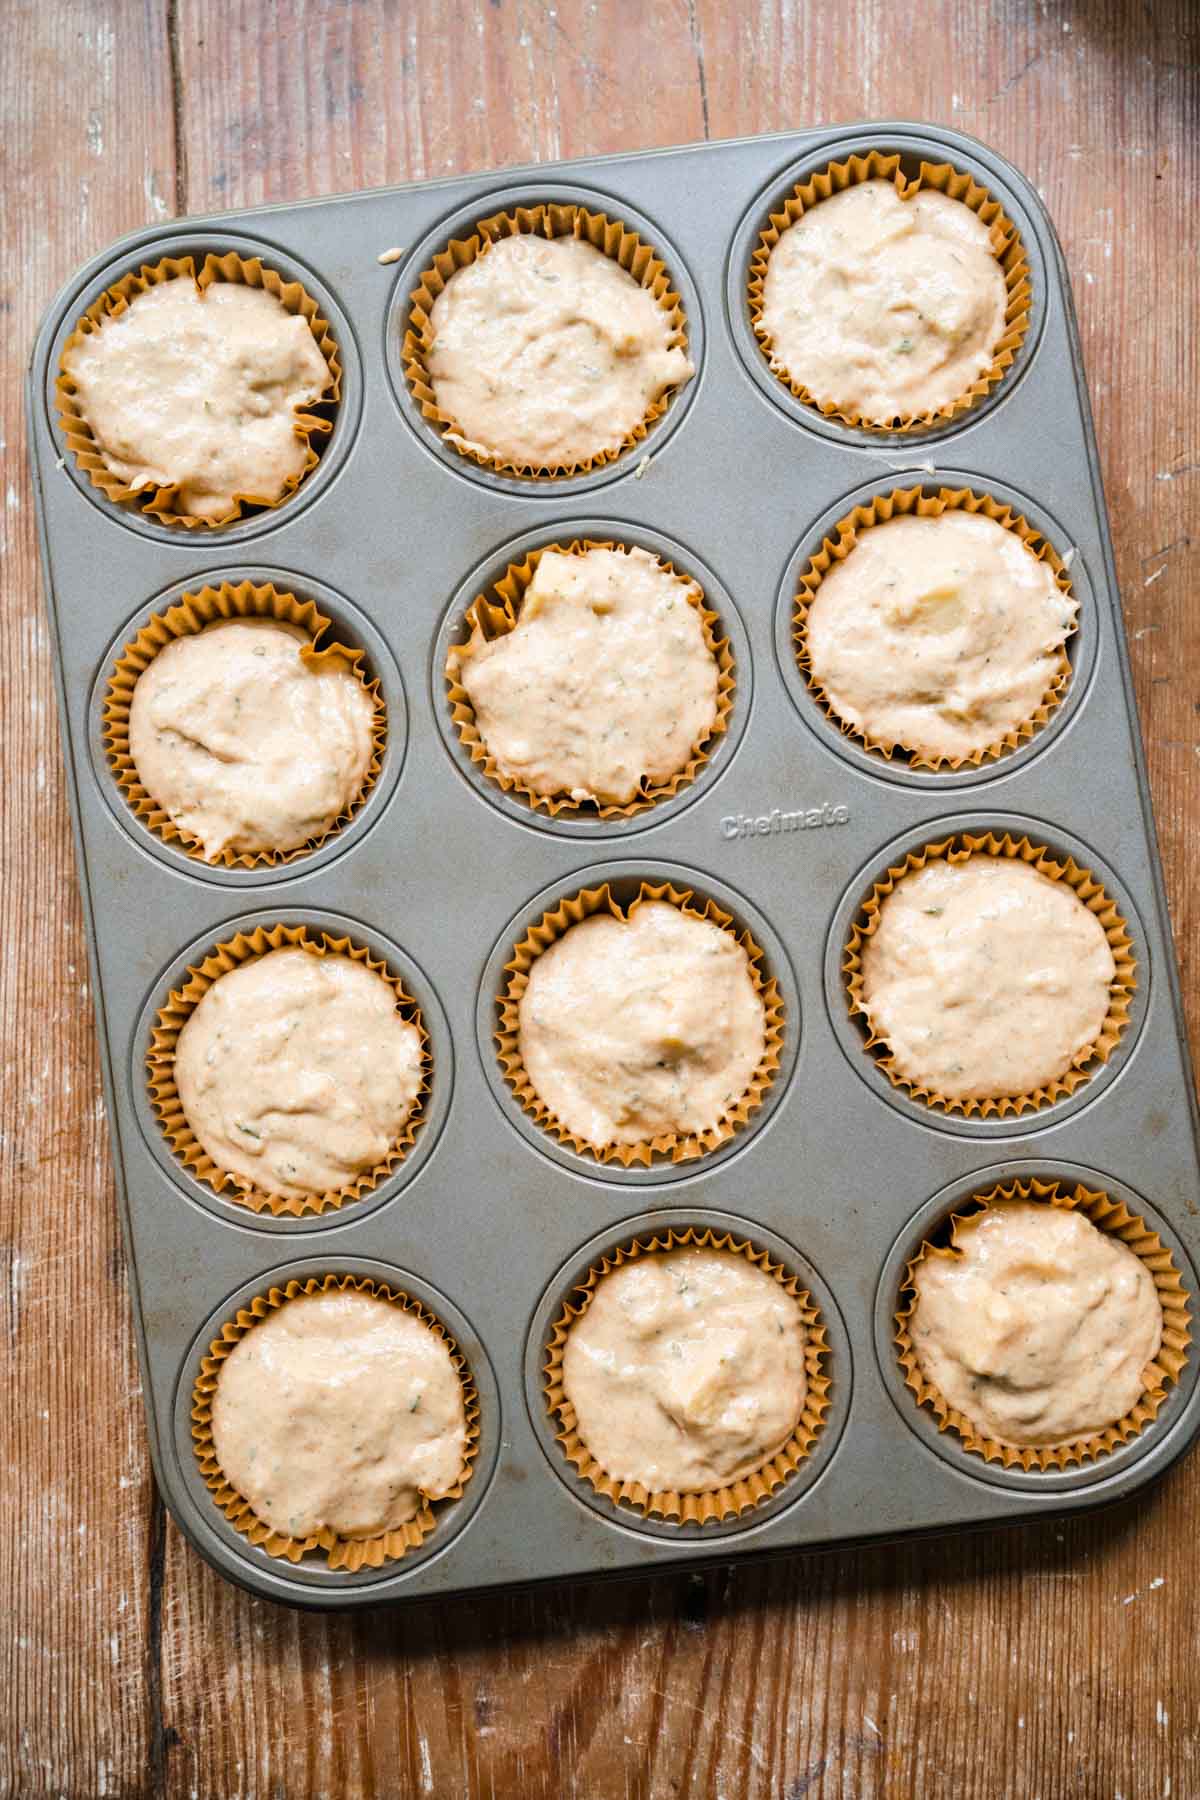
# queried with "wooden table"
point(1048, 1661)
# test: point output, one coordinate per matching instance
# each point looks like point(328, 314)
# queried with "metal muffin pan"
point(490, 1221)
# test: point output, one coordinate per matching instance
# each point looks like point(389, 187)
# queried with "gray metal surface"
point(489, 1221)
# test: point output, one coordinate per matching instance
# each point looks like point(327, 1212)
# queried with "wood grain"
point(1047, 1661)
point(87, 153)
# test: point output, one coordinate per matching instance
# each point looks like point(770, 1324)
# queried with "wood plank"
point(88, 153)
point(1031, 1662)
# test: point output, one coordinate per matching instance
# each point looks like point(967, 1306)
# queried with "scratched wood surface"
point(1052, 1660)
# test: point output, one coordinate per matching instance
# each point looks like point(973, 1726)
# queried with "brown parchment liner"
point(1107, 1214)
point(164, 1094)
point(1006, 247)
point(496, 617)
point(559, 920)
point(1087, 889)
point(914, 502)
point(551, 220)
point(251, 272)
point(715, 1504)
point(188, 617)
point(350, 1554)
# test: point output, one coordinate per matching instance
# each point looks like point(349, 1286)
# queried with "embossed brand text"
point(805, 818)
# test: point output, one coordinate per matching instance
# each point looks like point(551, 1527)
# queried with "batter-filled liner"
point(1005, 243)
point(187, 618)
point(497, 611)
point(718, 1503)
point(551, 220)
point(164, 1094)
point(1087, 889)
point(251, 272)
point(915, 503)
point(669, 1146)
point(1109, 1215)
point(348, 1554)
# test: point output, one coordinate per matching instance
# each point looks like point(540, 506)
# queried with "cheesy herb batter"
point(881, 307)
point(547, 353)
point(339, 1410)
point(1040, 1328)
point(605, 682)
point(197, 389)
point(686, 1370)
point(297, 1072)
point(633, 1029)
point(985, 978)
point(245, 745)
point(938, 635)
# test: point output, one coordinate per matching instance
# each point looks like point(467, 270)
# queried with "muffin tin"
point(489, 1221)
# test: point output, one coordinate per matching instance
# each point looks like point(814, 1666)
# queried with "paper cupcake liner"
point(349, 1554)
point(164, 1094)
point(1087, 888)
point(1006, 247)
point(716, 1504)
point(671, 1145)
point(186, 618)
point(160, 502)
point(550, 220)
point(496, 617)
point(914, 502)
point(1108, 1215)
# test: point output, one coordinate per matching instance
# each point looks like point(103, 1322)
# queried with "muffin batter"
point(197, 390)
point(339, 1410)
point(1040, 1328)
point(631, 1029)
point(605, 683)
point(938, 635)
point(244, 744)
point(547, 353)
point(985, 978)
point(881, 307)
point(686, 1371)
point(296, 1071)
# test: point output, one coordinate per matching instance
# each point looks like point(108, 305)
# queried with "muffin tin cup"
point(713, 1505)
point(956, 161)
point(549, 219)
point(496, 617)
point(1108, 1215)
point(1144, 1435)
point(159, 502)
point(351, 1554)
point(172, 1016)
point(784, 1479)
point(566, 208)
point(440, 874)
point(173, 610)
point(182, 243)
point(587, 903)
point(917, 502)
point(507, 575)
point(314, 1577)
point(626, 880)
point(834, 534)
point(958, 847)
point(1005, 243)
point(190, 615)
